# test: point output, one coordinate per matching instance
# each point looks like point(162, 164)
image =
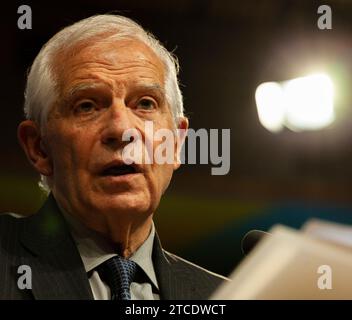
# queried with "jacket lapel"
point(174, 283)
point(57, 269)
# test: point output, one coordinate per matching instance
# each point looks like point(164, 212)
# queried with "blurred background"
point(226, 49)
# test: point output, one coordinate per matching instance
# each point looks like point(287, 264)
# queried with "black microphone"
point(250, 240)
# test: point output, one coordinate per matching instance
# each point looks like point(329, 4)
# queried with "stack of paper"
point(315, 263)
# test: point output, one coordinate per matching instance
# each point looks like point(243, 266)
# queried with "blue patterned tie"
point(118, 273)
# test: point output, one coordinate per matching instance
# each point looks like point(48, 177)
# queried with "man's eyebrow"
point(86, 86)
point(152, 87)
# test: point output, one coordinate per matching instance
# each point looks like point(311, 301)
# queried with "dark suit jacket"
point(43, 242)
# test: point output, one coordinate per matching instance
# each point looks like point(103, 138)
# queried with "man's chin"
point(123, 203)
point(120, 184)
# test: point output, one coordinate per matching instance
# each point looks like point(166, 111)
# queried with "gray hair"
point(42, 84)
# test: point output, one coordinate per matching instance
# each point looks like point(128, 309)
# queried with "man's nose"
point(117, 121)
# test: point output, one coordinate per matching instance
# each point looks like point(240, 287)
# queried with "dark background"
point(226, 49)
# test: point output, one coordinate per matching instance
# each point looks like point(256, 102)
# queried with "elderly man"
point(94, 237)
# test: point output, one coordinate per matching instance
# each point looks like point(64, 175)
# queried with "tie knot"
point(119, 273)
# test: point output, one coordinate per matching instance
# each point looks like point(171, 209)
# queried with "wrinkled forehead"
point(127, 59)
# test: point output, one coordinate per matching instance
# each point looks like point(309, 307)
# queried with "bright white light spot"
point(309, 102)
point(271, 111)
point(305, 103)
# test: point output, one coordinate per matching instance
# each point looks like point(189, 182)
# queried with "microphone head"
point(250, 240)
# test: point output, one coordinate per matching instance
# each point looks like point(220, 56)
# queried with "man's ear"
point(30, 139)
point(181, 134)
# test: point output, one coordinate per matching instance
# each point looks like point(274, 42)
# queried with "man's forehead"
point(118, 58)
point(110, 51)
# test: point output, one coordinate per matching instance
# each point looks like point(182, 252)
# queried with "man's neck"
point(127, 236)
point(123, 234)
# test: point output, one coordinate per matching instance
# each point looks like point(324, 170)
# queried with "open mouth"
point(118, 170)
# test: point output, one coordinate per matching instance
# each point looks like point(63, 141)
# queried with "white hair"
point(42, 83)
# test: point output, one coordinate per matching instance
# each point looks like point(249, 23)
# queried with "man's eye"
point(85, 107)
point(146, 104)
